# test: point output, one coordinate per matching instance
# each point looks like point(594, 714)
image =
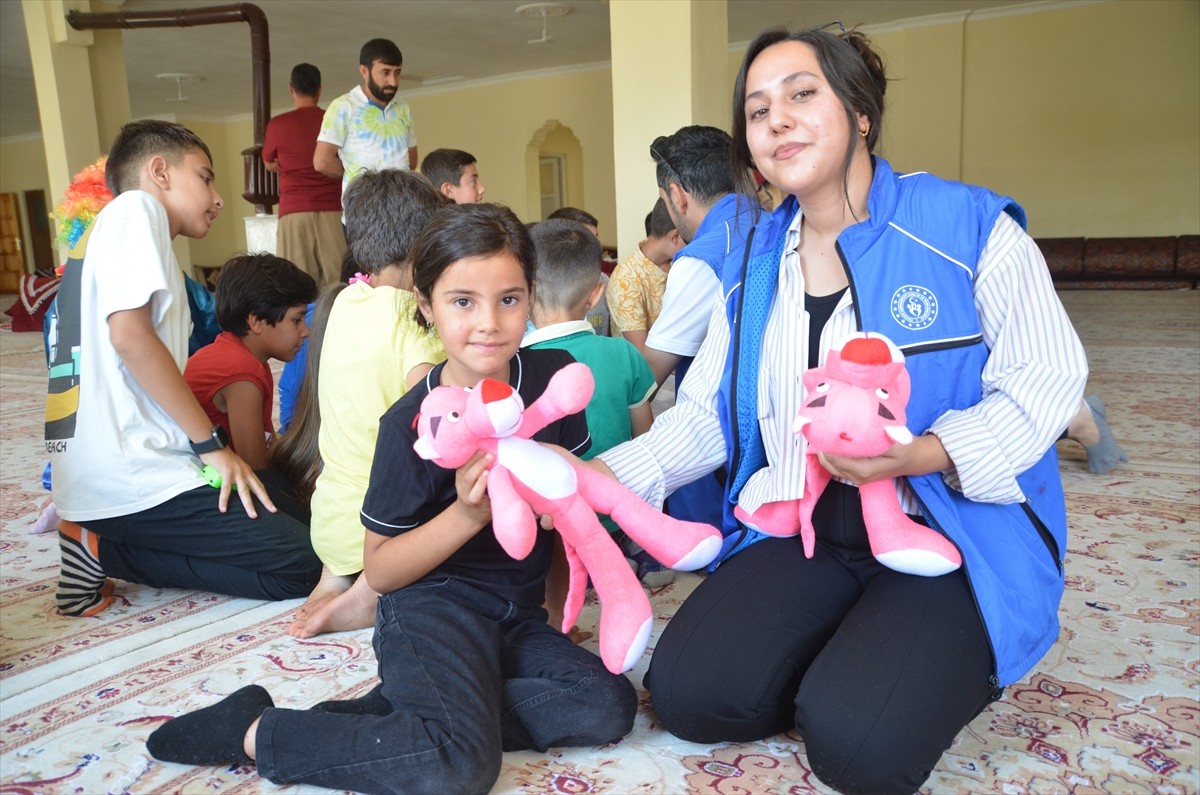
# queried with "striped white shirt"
point(1032, 384)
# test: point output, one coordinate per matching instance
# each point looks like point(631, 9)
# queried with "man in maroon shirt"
point(310, 204)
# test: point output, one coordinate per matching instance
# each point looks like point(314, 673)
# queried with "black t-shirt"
point(407, 491)
point(820, 309)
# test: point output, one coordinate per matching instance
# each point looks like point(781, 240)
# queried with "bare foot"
point(578, 635)
point(249, 745)
point(1083, 428)
point(1103, 452)
point(354, 608)
point(329, 587)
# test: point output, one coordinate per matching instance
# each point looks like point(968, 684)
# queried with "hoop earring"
point(866, 132)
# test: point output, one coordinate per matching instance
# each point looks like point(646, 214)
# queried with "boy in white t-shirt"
point(126, 437)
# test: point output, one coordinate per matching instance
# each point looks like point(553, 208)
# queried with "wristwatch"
point(218, 441)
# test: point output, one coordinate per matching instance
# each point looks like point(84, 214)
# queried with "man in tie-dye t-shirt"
point(368, 127)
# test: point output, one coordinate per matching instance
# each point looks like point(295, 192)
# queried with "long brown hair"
point(296, 454)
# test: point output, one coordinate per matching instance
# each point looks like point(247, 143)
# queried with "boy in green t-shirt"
point(567, 286)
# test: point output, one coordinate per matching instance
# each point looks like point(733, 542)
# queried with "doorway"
point(554, 170)
point(40, 233)
point(550, 179)
point(12, 246)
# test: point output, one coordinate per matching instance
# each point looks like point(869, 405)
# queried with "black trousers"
point(187, 543)
point(878, 670)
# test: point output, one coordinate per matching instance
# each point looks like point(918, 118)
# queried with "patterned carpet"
point(1113, 708)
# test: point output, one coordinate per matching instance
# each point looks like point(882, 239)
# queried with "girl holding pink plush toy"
point(469, 667)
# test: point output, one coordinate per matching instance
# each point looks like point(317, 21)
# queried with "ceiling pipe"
point(262, 187)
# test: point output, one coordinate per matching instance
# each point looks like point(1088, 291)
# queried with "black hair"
point(697, 159)
point(383, 50)
point(297, 454)
point(573, 214)
point(445, 165)
point(306, 79)
point(658, 222)
point(568, 263)
point(385, 211)
point(262, 285)
point(138, 141)
point(462, 231)
point(855, 73)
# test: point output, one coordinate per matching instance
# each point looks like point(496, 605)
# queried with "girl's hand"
point(923, 456)
point(470, 481)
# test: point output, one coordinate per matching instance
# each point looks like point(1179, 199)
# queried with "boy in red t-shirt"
point(261, 302)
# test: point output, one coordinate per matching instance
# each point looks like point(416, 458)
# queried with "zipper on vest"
point(858, 326)
point(1044, 532)
point(934, 347)
point(994, 679)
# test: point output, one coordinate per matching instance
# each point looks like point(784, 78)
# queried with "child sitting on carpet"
point(261, 302)
point(372, 353)
point(469, 668)
point(568, 286)
point(127, 438)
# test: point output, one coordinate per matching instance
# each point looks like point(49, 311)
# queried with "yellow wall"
point(223, 237)
point(923, 116)
point(1088, 114)
point(496, 122)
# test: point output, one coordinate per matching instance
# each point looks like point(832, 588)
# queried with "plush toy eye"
point(453, 416)
point(822, 387)
point(881, 393)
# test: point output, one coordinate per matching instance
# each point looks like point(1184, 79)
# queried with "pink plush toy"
point(527, 479)
point(856, 408)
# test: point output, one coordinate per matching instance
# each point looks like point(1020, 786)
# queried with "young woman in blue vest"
point(877, 670)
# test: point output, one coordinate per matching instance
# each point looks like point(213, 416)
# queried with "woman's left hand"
point(923, 456)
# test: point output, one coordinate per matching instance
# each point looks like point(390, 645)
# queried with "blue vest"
point(721, 234)
point(910, 267)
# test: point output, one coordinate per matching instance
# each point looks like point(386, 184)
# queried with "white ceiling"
point(443, 41)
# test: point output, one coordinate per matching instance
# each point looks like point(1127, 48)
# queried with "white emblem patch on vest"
point(914, 307)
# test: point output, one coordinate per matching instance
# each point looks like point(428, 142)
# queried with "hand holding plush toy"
point(527, 479)
point(855, 407)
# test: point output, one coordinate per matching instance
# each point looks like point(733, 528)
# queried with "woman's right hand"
point(470, 482)
point(600, 467)
point(594, 464)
